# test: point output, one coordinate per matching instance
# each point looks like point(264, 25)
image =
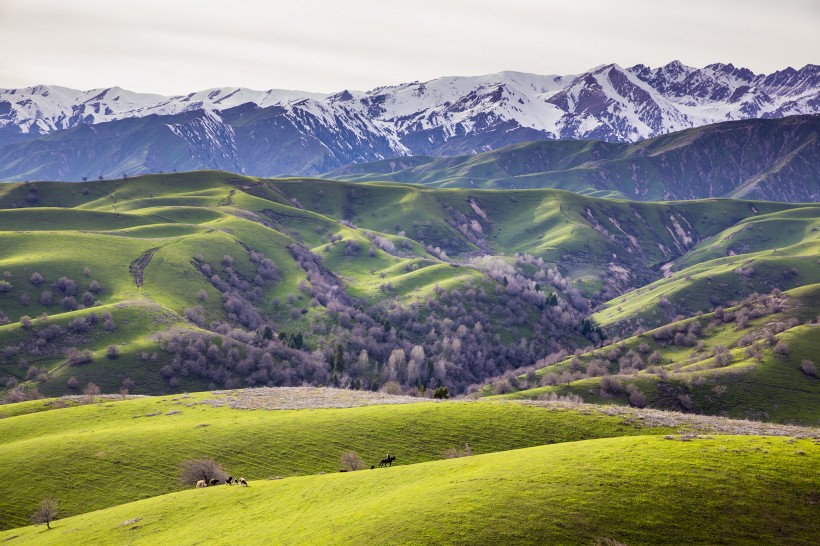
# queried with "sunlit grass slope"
point(638, 490)
point(94, 456)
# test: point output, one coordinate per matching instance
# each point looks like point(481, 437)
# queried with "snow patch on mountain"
point(445, 115)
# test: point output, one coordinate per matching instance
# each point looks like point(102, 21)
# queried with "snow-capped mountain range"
point(293, 132)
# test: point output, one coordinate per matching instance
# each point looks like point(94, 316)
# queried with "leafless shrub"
point(610, 385)
point(636, 397)
point(781, 349)
point(549, 379)
point(20, 394)
point(91, 391)
point(128, 384)
point(502, 387)
point(67, 286)
point(392, 387)
point(350, 460)
point(78, 325)
point(46, 297)
point(808, 368)
point(193, 470)
point(685, 402)
point(77, 357)
point(455, 453)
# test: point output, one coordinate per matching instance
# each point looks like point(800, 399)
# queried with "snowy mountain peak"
point(444, 116)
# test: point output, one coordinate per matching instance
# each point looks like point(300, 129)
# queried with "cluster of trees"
point(470, 228)
point(240, 295)
point(236, 358)
point(64, 291)
point(46, 338)
point(617, 362)
point(451, 340)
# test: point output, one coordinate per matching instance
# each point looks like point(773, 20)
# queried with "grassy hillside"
point(131, 449)
point(751, 361)
point(191, 281)
point(776, 250)
point(640, 490)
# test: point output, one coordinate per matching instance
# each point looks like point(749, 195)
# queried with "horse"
point(388, 461)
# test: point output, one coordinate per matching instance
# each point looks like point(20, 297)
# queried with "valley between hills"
point(550, 366)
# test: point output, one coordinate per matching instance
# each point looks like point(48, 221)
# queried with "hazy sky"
point(175, 46)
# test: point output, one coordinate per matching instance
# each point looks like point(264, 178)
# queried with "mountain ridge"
point(290, 132)
point(766, 159)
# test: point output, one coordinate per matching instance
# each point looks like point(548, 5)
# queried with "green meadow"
point(628, 490)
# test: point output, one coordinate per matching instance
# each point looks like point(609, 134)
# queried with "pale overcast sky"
point(176, 46)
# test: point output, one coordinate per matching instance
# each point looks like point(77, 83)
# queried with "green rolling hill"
point(741, 490)
point(181, 284)
point(746, 361)
point(104, 454)
point(189, 281)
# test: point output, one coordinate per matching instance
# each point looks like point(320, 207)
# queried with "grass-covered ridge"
point(132, 449)
point(778, 162)
point(204, 280)
point(631, 490)
point(766, 251)
point(756, 360)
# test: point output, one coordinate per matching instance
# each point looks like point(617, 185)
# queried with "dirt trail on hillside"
point(284, 398)
point(138, 266)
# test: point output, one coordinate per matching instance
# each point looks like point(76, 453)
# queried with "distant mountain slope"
point(290, 132)
point(753, 159)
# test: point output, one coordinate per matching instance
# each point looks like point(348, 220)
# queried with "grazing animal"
point(201, 483)
point(388, 461)
point(213, 481)
point(230, 480)
point(243, 482)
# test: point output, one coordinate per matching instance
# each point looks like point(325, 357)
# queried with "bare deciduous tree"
point(350, 460)
point(46, 513)
point(194, 470)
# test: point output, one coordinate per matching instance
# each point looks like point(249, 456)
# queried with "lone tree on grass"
point(350, 460)
point(194, 470)
point(46, 513)
point(91, 391)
